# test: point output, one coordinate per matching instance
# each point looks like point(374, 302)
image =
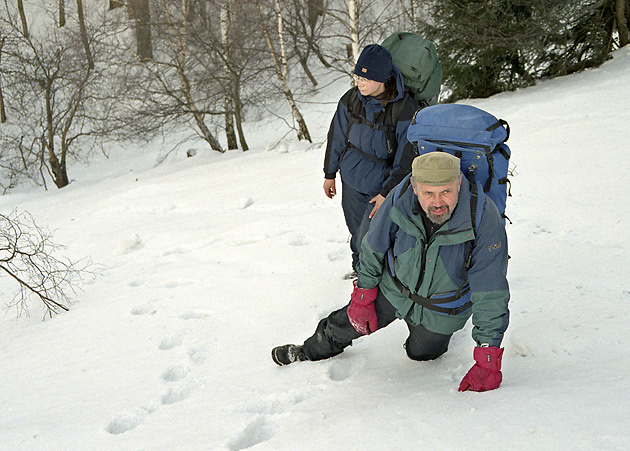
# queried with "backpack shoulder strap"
point(356, 114)
point(391, 121)
point(402, 187)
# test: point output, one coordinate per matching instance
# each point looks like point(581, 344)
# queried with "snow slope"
point(206, 263)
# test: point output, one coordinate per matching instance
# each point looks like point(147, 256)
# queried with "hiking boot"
point(287, 354)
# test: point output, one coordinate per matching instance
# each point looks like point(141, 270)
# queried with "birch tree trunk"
point(353, 14)
point(62, 13)
point(280, 64)
point(20, 7)
point(3, 114)
point(238, 114)
point(84, 37)
point(229, 85)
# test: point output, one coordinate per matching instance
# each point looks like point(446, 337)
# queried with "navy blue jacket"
point(363, 174)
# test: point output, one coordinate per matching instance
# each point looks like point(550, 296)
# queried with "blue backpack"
point(476, 137)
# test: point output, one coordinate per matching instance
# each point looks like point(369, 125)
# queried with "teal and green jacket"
point(437, 268)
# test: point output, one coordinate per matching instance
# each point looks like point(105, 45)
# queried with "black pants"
point(356, 210)
point(334, 333)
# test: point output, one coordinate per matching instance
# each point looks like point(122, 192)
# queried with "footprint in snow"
point(127, 421)
point(279, 402)
point(199, 354)
point(175, 373)
point(179, 393)
point(257, 431)
point(131, 244)
point(171, 342)
point(194, 314)
point(337, 255)
point(299, 240)
point(144, 309)
point(340, 370)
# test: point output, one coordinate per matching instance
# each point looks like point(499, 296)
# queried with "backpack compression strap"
point(355, 110)
point(431, 304)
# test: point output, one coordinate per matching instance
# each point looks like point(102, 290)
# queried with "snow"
point(206, 263)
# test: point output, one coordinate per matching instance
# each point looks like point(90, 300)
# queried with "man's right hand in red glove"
point(362, 312)
point(486, 372)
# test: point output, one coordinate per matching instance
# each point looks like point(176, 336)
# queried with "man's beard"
point(441, 219)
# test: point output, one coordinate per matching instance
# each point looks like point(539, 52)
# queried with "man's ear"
point(413, 185)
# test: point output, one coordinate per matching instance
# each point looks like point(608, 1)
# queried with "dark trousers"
point(334, 333)
point(356, 210)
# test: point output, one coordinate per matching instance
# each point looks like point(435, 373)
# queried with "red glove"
point(361, 312)
point(486, 373)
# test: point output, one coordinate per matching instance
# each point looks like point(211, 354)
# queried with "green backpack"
point(417, 59)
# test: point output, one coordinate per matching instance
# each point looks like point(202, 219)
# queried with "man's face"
point(438, 202)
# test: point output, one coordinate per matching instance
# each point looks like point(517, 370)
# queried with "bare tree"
point(46, 94)
point(622, 23)
point(281, 66)
point(178, 59)
point(234, 50)
point(304, 20)
point(55, 100)
point(29, 256)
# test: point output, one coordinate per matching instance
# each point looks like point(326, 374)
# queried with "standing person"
point(367, 142)
point(426, 261)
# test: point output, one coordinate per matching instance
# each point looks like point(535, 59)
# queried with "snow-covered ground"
point(206, 263)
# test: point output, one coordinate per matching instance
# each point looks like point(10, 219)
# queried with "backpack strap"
point(402, 187)
point(356, 114)
point(429, 303)
point(500, 123)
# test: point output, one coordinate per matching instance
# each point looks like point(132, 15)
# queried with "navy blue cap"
point(374, 63)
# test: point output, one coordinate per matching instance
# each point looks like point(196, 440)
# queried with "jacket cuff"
point(330, 176)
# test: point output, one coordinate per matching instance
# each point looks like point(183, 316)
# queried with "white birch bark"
point(353, 14)
point(229, 86)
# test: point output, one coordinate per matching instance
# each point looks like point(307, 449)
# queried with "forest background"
point(77, 76)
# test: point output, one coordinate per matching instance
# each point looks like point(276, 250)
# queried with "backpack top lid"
point(456, 123)
point(475, 136)
point(417, 60)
